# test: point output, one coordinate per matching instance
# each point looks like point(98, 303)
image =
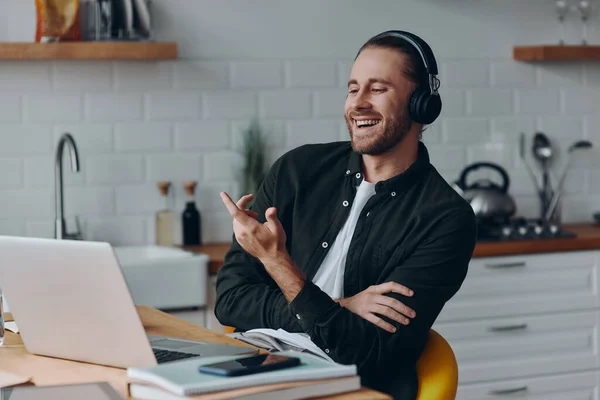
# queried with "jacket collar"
point(395, 183)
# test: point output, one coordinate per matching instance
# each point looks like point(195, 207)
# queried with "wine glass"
point(585, 10)
point(562, 9)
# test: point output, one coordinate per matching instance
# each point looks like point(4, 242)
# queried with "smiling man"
point(357, 245)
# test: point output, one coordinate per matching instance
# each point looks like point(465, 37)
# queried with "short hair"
point(414, 69)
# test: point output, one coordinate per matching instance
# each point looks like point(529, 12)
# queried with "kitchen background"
point(286, 63)
point(525, 322)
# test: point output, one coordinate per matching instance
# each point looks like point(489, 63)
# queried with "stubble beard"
point(384, 139)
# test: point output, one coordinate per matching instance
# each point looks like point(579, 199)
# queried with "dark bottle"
point(192, 224)
point(191, 221)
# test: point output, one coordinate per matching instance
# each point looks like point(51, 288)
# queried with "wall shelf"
point(88, 51)
point(556, 53)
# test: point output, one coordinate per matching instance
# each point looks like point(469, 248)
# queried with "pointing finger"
point(233, 209)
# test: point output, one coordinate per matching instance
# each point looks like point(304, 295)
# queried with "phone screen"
point(250, 365)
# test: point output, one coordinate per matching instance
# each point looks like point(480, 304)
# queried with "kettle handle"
point(476, 166)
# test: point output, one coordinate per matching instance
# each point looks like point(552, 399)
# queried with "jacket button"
point(348, 172)
point(327, 351)
point(298, 316)
point(324, 244)
point(358, 175)
point(393, 194)
point(345, 203)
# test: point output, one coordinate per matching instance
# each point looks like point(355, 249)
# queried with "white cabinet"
point(522, 285)
point(527, 327)
point(581, 386)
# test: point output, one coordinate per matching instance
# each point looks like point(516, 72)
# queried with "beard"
point(383, 138)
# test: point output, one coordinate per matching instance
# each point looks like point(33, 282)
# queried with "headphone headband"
point(424, 51)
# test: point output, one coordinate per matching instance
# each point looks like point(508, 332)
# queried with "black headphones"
point(425, 103)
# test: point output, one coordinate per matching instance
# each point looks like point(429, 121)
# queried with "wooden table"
point(15, 359)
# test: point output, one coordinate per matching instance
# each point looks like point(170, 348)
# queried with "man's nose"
point(361, 100)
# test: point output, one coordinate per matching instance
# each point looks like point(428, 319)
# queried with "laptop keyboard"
point(163, 356)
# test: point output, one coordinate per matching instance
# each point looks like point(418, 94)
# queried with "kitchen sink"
point(163, 277)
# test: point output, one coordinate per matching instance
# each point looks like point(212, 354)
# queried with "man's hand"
point(263, 241)
point(372, 301)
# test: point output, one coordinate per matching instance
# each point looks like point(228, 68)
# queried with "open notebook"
point(300, 340)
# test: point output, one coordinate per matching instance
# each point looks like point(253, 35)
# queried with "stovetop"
point(520, 229)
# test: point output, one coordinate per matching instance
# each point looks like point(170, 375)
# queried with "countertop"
point(588, 238)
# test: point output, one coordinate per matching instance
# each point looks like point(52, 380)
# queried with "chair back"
point(437, 370)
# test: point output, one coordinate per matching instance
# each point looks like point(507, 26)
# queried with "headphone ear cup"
point(424, 108)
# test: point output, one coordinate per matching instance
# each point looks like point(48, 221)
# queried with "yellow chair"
point(228, 329)
point(437, 370)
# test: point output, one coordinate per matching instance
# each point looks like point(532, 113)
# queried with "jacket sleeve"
point(247, 296)
point(435, 271)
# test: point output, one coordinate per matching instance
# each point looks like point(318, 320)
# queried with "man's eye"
point(352, 90)
point(378, 89)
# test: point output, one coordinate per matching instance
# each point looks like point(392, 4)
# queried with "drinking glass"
point(562, 9)
point(585, 10)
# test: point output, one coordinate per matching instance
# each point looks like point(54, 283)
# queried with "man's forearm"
point(287, 276)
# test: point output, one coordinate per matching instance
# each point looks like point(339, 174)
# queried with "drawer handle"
point(506, 265)
point(505, 328)
point(508, 391)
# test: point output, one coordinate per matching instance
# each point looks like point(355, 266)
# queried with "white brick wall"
point(112, 107)
point(302, 74)
point(256, 74)
point(10, 108)
point(78, 76)
point(139, 122)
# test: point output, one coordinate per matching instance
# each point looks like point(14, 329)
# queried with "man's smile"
point(365, 123)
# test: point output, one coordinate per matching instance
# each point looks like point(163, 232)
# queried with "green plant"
point(254, 158)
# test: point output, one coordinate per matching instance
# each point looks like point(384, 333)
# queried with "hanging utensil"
point(543, 152)
point(528, 164)
point(579, 145)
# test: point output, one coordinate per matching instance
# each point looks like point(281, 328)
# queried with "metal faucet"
point(60, 225)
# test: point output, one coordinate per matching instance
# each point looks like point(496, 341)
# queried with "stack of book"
point(183, 380)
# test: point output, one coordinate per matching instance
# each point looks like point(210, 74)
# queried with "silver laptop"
point(70, 300)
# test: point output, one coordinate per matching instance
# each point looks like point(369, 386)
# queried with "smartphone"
point(250, 365)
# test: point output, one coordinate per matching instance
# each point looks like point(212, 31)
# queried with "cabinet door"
point(528, 284)
point(581, 386)
point(510, 348)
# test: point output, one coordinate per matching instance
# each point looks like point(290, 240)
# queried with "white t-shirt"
point(330, 276)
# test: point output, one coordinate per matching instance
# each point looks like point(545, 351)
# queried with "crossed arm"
point(370, 329)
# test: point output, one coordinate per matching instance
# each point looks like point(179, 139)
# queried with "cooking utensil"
point(543, 152)
point(528, 164)
point(579, 145)
point(488, 199)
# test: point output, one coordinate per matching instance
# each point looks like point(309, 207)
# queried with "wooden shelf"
point(88, 51)
point(556, 53)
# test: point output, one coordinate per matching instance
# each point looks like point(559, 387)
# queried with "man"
point(358, 244)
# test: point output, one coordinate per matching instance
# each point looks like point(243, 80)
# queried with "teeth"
point(368, 122)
